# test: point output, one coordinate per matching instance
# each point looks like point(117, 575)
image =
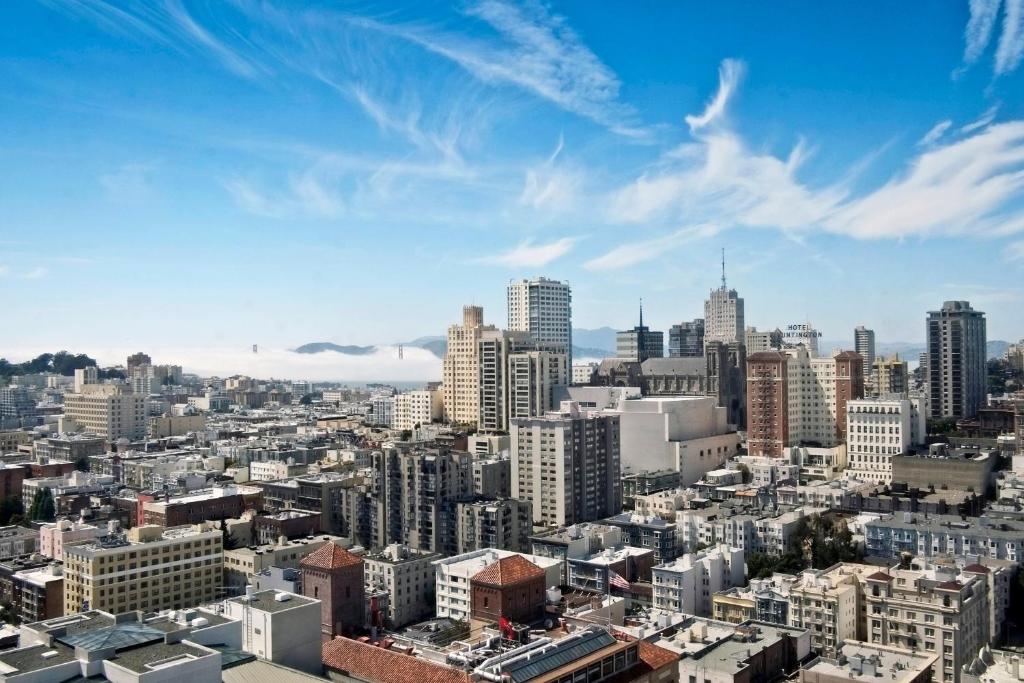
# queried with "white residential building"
point(107, 410)
point(878, 429)
point(53, 536)
point(452, 575)
point(415, 408)
point(687, 583)
point(408, 577)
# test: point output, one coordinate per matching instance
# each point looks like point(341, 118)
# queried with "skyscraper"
point(543, 308)
point(864, 344)
point(462, 367)
point(640, 343)
point(686, 340)
point(723, 313)
point(956, 371)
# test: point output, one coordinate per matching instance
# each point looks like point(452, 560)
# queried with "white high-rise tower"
point(723, 313)
point(543, 308)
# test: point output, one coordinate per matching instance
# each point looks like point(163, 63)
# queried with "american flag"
point(617, 581)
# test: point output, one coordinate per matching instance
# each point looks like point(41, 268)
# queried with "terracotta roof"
point(508, 571)
point(330, 556)
point(950, 586)
point(377, 665)
point(651, 658)
point(976, 569)
point(879, 576)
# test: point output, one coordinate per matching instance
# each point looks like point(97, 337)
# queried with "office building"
point(408, 577)
point(461, 367)
point(768, 340)
point(864, 344)
point(795, 399)
point(414, 408)
point(543, 308)
point(723, 313)
point(956, 361)
point(244, 563)
point(16, 404)
point(686, 340)
point(639, 343)
point(147, 568)
point(278, 626)
point(381, 410)
point(108, 411)
point(83, 376)
point(688, 583)
point(890, 377)
point(877, 430)
point(566, 466)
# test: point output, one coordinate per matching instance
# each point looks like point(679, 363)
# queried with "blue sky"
point(215, 174)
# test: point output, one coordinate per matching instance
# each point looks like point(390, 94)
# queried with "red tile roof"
point(651, 658)
point(376, 665)
point(950, 586)
point(508, 571)
point(330, 556)
point(879, 576)
point(976, 569)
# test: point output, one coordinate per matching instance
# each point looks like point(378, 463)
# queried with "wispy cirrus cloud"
point(984, 15)
point(530, 255)
point(966, 186)
point(934, 133)
point(32, 273)
point(1015, 252)
point(550, 187)
point(729, 74)
point(635, 253)
point(129, 183)
point(987, 117)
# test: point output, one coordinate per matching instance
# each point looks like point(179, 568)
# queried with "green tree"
point(306, 399)
point(43, 508)
point(11, 510)
point(745, 473)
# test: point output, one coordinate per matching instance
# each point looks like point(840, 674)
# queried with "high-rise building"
point(147, 568)
point(794, 399)
point(566, 465)
point(462, 367)
point(109, 411)
point(137, 359)
point(891, 377)
point(723, 313)
point(640, 343)
point(543, 308)
point(17, 403)
point(956, 369)
point(517, 377)
point(686, 339)
point(864, 344)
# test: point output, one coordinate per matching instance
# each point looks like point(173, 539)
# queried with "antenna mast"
point(723, 267)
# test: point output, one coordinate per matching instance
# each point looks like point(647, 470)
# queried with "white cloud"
point(537, 52)
point(530, 255)
point(548, 187)
point(984, 15)
point(729, 74)
point(936, 132)
point(965, 186)
point(1010, 50)
point(986, 118)
point(633, 253)
point(309, 194)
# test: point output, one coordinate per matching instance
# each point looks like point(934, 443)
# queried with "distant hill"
point(318, 347)
point(435, 344)
point(597, 343)
point(909, 351)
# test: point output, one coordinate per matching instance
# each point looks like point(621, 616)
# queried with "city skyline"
point(293, 170)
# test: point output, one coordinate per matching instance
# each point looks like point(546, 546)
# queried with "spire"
point(641, 311)
point(723, 267)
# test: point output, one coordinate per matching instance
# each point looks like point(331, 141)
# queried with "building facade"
point(686, 340)
point(543, 308)
point(956, 361)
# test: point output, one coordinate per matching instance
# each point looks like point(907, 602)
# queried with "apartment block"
point(827, 603)
point(566, 466)
point(878, 430)
point(109, 411)
point(956, 371)
point(543, 308)
point(146, 568)
point(461, 369)
point(408, 577)
point(688, 583)
point(934, 535)
point(414, 408)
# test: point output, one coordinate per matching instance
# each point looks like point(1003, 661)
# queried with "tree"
point(306, 399)
point(82, 463)
point(227, 538)
point(43, 508)
point(11, 510)
point(745, 473)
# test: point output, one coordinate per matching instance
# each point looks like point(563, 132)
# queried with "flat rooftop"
point(34, 658)
point(157, 655)
point(889, 663)
point(267, 601)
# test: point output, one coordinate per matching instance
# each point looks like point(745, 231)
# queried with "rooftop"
point(508, 571)
point(267, 601)
point(863, 662)
point(330, 556)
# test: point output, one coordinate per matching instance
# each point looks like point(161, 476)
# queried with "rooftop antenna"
point(641, 311)
point(723, 267)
